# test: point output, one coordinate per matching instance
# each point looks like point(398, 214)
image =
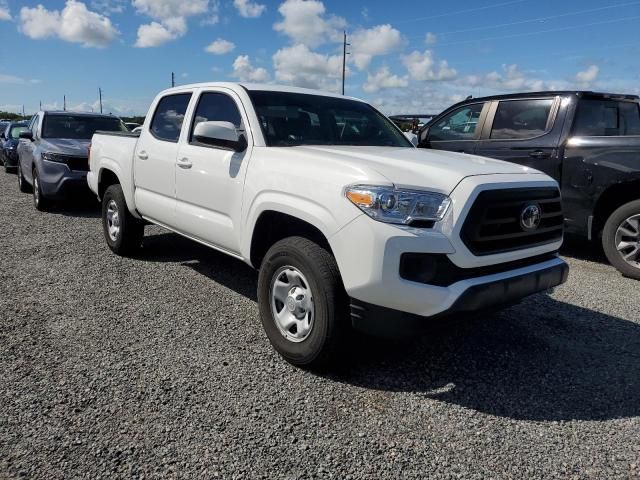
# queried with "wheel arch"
point(611, 199)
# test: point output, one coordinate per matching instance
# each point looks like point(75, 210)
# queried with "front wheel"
point(122, 231)
point(41, 202)
point(621, 239)
point(302, 302)
point(23, 186)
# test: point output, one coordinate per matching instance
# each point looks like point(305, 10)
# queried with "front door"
point(524, 131)
point(209, 180)
point(155, 159)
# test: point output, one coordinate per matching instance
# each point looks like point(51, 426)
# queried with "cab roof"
point(547, 93)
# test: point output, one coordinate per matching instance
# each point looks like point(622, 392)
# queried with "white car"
point(348, 223)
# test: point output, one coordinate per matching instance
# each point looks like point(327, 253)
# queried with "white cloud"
point(170, 19)
point(5, 13)
point(108, 7)
point(153, 35)
point(305, 22)
point(299, 66)
point(423, 67)
point(248, 9)
point(75, 23)
point(383, 78)
point(587, 77)
point(368, 43)
point(430, 38)
point(245, 72)
point(15, 80)
point(220, 47)
point(511, 78)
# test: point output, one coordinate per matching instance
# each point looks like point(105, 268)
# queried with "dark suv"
point(53, 154)
point(589, 142)
point(9, 144)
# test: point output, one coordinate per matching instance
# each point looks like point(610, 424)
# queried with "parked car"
point(589, 142)
point(334, 206)
point(53, 153)
point(9, 139)
point(131, 125)
point(411, 123)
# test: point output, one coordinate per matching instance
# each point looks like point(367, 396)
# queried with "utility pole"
point(40, 104)
point(64, 103)
point(344, 58)
point(173, 80)
point(100, 94)
point(23, 111)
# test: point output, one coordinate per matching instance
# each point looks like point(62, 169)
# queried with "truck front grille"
point(494, 223)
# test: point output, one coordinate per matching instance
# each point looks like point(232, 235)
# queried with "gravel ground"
point(158, 367)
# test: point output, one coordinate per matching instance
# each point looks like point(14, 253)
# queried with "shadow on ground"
point(542, 360)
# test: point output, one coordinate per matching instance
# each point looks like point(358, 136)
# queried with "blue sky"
point(410, 56)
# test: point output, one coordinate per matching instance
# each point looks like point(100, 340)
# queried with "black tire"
point(609, 244)
point(130, 233)
point(23, 186)
point(41, 202)
point(329, 325)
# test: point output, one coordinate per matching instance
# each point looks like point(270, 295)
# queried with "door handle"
point(143, 155)
point(184, 163)
point(539, 154)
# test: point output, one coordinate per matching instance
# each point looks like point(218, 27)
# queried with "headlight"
point(53, 157)
point(390, 205)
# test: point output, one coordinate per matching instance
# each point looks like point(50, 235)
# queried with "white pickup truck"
point(348, 223)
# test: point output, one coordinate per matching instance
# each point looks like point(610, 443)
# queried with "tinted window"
point(603, 118)
point(15, 130)
point(216, 107)
point(78, 126)
point(461, 124)
point(289, 119)
point(521, 119)
point(167, 121)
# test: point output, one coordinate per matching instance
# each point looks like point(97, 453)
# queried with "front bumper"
point(494, 293)
point(57, 180)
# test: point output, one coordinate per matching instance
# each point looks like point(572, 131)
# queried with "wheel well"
point(273, 226)
point(612, 198)
point(107, 178)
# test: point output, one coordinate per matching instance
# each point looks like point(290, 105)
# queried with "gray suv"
point(53, 154)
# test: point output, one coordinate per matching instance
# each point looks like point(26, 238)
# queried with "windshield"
point(16, 130)
point(289, 119)
point(79, 126)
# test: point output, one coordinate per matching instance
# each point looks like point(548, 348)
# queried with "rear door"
point(524, 131)
point(209, 180)
point(458, 130)
point(155, 159)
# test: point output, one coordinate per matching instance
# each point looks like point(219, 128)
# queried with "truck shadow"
point(542, 360)
point(583, 250)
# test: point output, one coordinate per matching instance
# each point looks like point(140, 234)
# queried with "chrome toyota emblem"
point(530, 217)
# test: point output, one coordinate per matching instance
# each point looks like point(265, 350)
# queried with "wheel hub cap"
point(113, 220)
point(628, 240)
point(292, 304)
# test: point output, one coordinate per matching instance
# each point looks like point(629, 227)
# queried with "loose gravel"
point(157, 367)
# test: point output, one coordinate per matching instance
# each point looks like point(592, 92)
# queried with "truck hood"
point(65, 146)
point(417, 167)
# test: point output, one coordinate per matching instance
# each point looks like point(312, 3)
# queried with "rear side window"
point(169, 116)
point(518, 119)
point(216, 107)
point(461, 124)
point(606, 118)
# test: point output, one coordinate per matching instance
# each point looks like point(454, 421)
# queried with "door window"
point(461, 124)
point(604, 118)
point(518, 119)
point(169, 116)
point(216, 107)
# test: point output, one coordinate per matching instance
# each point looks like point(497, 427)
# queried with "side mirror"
point(28, 135)
point(412, 137)
point(220, 134)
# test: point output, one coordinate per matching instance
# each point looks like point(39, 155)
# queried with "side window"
point(33, 126)
point(605, 118)
point(461, 124)
point(518, 119)
point(168, 117)
point(216, 107)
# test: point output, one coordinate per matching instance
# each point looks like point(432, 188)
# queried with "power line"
point(551, 30)
point(469, 10)
point(539, 19)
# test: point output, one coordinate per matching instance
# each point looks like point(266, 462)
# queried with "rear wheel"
point(41, 202)
point(122, 231)
point(23, 186)
point(621, 239)
point(302, 302)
